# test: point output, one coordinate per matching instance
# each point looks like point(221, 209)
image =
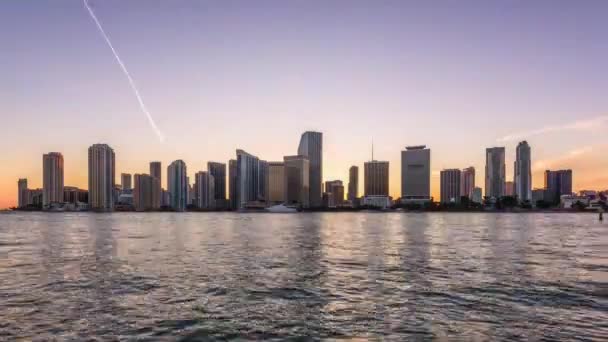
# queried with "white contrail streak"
point(126, 72)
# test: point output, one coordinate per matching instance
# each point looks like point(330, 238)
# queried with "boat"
point(281, 208)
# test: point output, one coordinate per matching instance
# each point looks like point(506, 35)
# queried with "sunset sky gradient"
point(458, 76)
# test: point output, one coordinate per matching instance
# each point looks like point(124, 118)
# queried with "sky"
point(458, 76)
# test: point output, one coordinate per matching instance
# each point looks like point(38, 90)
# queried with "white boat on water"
point(281, 208)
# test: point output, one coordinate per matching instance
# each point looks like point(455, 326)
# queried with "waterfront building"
point(72, 194)
point(522, 179)
point(375, 178)
point(416, 173)
point(495, 172)
point(262, 177)
point(335, 193)
point(157, 190)
point(297, 182)
point(353, 183)
point(378, 202)
point(538, 195)
point(232, 184)
point(125, 181)
point(218, 171)
point(476, 196)
point(311, 146)
point(142, 192)
point(247, 178)
point(467, 182)
point(52, 178)
point(204, 190)
point(101, 177)
point(22, 193)
point(450, 185)
point(177, 185)
point(557, 183)
point(275, 183)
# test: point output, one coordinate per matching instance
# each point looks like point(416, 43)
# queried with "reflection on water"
point(262, 276)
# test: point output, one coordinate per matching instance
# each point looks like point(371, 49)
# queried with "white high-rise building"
point(495, 172)
point(522, 180)
point(101, 177)
point(450, 185)
point(416, 173)
point(177, 185)
point(52, 179)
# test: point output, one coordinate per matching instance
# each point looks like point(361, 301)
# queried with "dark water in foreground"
point(484, 277)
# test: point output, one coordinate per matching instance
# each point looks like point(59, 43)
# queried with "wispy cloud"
point(579, 125)
point(569, 156)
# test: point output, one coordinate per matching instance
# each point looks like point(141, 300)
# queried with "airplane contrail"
point(126, 72)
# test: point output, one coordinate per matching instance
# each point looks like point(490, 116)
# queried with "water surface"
point(390, 276)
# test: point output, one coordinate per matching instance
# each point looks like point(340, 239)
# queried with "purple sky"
point(220, 75)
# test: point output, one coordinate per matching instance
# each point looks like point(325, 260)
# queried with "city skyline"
point(257, 77)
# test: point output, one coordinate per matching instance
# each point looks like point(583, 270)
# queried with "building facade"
point(476, 197)
point(335, 193)
point(275, 183)
point(450, 185)
point(52, 178)
point(232, 184)
point(247, 178)
point(467, 182)
point(262, 176)
point(125, 181)
point(177, 185)
point(142, 192)
point(157, 191)
point(353, 183)
point(22, 193)
point(102, 170)
point(218, 171)
point(509, 189)
point(557, 183)
point(311, 146)
point(297, 181)
point(204, 190)
point(375, 178)
point(416, 173)
point(522, 179)
point(495, 172)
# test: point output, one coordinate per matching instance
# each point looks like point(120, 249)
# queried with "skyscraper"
point(232, 184)
point(375, 177)
point(262, 174)
point(467, 182)
point(450, 185)
point(275, 183)
point(204, 190)
point(177, 185)
point(353, 183)
point(297, 182)
point(142, 193)
point(218, 171)
point(335, 193)
point(495, 172)
point(101, 177)
point(523, 172)
point(311, 146)
point(52, 181)
point(22, 193)
point(416, 173)
point(557, 183)
point(125, 181)
point(247, 178)
point(157, 190)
